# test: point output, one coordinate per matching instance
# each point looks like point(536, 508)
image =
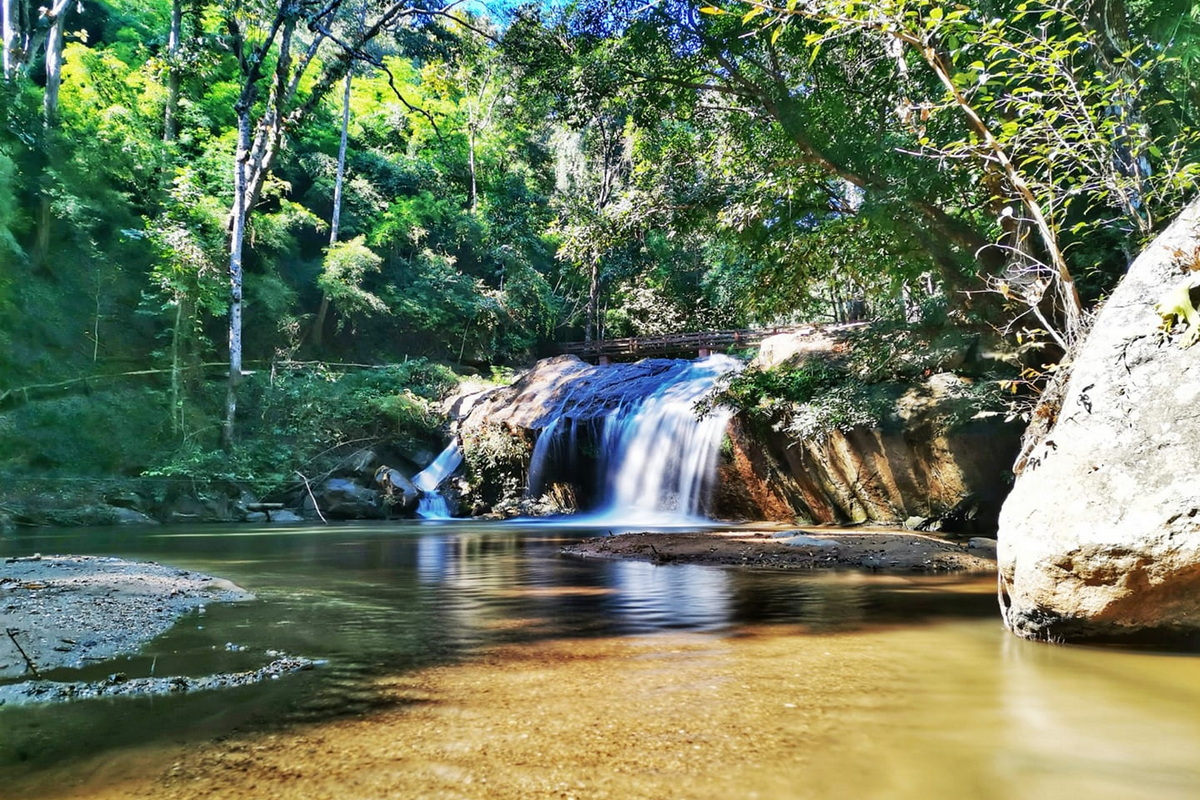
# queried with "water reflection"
point(1069, 742)
point(910, 680)
point(649, 597)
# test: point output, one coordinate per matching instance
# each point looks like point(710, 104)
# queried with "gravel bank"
point(876, 550)
point(69, 611)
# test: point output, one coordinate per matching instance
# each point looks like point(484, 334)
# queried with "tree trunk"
point(471, 165)
point(335, 220)
point(176, 379)
point(237, 238)
point(174, 38)
point(592, 321)
point(250, 166)
point(8, 30)
point(54, 48)
point(339, 180)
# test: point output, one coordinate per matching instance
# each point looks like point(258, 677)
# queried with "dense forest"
point(235, 236)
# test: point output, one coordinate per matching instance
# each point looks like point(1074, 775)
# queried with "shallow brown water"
point(477, 663)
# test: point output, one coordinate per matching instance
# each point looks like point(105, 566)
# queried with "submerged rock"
point(1100, 536)
point(118, 685)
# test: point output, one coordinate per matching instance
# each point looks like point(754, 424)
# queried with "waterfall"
point(432, 505)
point(654, 458)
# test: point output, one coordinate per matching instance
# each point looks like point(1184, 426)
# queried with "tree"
point(255, 40)
point(826, 108)
point(1048, 104)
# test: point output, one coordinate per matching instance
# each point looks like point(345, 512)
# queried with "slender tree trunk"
point(471, 165)
point(176, 380)
point(592, 320)
point(250, 165)
point(335, 220)
point(54, 48)
point(174, 39)
point(1069, 303)
point(8, 30)
point(237, 238)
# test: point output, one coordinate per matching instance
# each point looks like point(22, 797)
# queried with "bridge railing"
point(675, 343)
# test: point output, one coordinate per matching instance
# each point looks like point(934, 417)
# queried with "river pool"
point(472, 660)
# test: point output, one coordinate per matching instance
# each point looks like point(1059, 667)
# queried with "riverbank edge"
point(67, 611)
point(875, 550)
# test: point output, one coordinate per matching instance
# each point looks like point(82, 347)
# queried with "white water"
point(658, 459)
point(432, 505)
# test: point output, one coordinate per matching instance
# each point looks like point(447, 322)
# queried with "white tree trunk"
point(54, 48)
point(471, 166)
point(174, 38)
point(237, 237)
point(8, 30)
point(335, 221)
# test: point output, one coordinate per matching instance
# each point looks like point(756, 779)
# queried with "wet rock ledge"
point(875, 550)
point(70, 611)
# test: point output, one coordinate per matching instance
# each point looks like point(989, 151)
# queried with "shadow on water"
point(376, 600)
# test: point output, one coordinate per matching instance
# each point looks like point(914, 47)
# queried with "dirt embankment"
point(798, 549)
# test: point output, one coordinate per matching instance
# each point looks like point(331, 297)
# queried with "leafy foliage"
point(607, 168)
point(309, 419)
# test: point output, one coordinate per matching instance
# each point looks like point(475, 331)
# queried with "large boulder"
point(398, 491)
point(339, 498)
point(1100, 536)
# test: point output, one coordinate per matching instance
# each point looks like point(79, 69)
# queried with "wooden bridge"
point(675, 345)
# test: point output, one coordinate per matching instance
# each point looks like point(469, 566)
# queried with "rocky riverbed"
point(72, 611)
point(69, 611)
point(877, 550)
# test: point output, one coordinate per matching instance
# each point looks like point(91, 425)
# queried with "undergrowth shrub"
point(859, 384)
point(308, 420)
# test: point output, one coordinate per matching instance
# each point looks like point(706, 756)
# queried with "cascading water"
point(656, 458)
point(660, 457)
point(432, 505)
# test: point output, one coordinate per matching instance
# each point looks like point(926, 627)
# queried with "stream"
point(494, 667)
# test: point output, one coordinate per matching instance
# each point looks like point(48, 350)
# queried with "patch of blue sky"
point(501, 11)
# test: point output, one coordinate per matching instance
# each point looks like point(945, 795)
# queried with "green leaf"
point(752, 13)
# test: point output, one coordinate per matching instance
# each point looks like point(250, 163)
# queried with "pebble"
point(810, 541)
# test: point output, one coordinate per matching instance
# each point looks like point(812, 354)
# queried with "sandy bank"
point(70, 611)
point(879, 550)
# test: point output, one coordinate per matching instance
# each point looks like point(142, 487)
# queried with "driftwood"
point(29, 665)
point(266, 508)
point(312, 497)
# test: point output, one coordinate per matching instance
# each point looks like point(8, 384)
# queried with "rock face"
point(933, 463)
point(551, 431)
point(1100, 536)
point(932, 466)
